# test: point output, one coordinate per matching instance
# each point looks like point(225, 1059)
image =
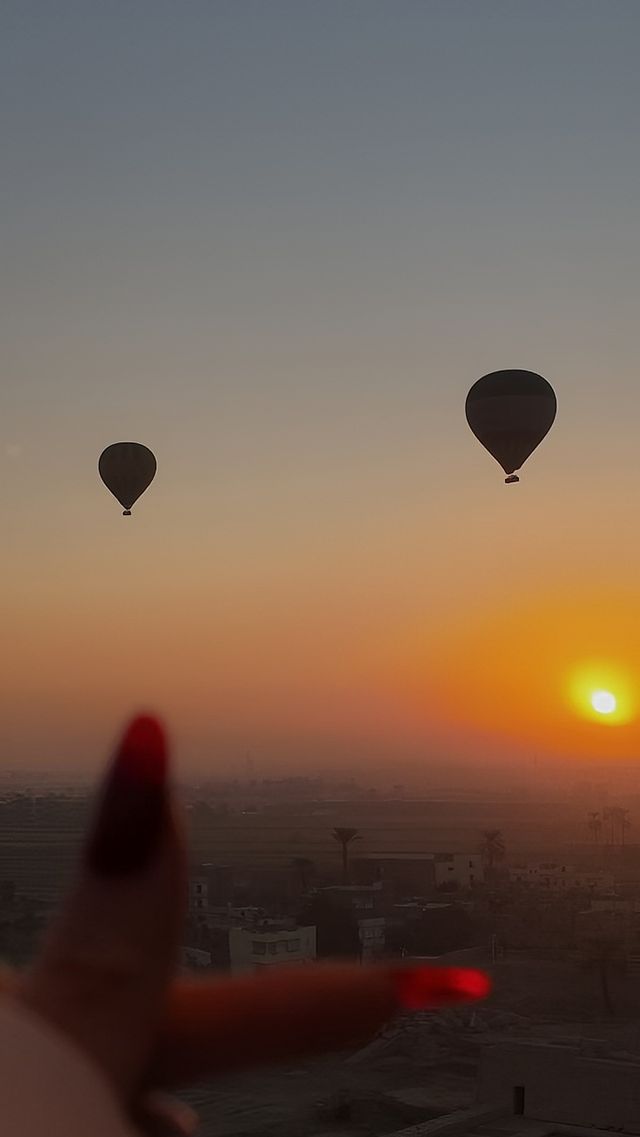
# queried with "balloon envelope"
point(510, 412)
point(127, 469)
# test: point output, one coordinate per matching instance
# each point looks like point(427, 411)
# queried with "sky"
point(277, 242)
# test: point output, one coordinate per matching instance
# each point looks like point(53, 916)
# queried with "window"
point(273, 948)
point(258, 948)
point(198, 889)
point(293, 945)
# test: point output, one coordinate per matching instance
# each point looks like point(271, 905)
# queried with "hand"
point(105, 976)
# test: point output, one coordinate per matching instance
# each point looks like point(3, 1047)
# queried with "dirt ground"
point(421, 1066)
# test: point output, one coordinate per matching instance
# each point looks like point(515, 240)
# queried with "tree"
point(345, 838)
point(493, 847)
point(619, 823)
point(305, 868)
point(594, 825)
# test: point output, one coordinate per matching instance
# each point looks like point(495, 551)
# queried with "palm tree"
point(304, 868)
point(594, 825)
point(345, 837)
point(619, 820)
point(493, 847)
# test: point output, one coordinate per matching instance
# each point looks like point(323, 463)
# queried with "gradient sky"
point(277, 242)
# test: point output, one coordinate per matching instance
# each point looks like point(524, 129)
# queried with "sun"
point(603, 692)
point(604, 702)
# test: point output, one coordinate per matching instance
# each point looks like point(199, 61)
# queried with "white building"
point(270, 945)
point(372, 935)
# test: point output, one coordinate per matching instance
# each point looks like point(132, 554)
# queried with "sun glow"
point(603, 693)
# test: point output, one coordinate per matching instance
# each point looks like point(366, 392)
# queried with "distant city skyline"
point(277, 243)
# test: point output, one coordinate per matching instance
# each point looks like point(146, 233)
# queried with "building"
point(459, 870)
point(194, 959)
point(580, 1082)
point(554, 877)
point(372, 936)
point(402, 874)
point(354, 897)
point(198, 895)
point(210, 885)
point(270, 944)
point(418, 874)
point(571, 1088)
point(350, 921)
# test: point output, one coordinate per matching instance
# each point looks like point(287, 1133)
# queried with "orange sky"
point(525, 670)
point(275, 253)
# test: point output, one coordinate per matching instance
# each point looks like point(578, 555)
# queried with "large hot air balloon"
point(127, 469)
point(510, 412)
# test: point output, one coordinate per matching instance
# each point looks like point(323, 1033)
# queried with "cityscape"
point(543, 895)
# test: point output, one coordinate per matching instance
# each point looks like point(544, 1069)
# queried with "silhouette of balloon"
point(510, 412)
point(127, 469)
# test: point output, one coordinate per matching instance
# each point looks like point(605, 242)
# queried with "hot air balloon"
point(127, 469)
point(510, 412)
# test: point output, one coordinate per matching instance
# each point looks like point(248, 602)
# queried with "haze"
point(277, 243)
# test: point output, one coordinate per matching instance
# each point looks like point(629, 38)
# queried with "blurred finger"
point(160, 1115)
point(103, 973)
point(219, 1025)
point(8, 980)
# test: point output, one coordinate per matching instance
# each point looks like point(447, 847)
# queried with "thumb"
point(103, 974)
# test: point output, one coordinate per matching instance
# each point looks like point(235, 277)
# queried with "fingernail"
point(132, 813)
point(419, 988)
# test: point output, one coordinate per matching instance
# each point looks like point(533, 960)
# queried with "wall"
point(564, 1084)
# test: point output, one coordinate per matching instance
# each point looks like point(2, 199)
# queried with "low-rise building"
point(417, 874)
point(270, 944)
point(198, 895)
point(402, 874)
point(372, 935)
point(553, 876)
point(460, 870)
point(350, 920)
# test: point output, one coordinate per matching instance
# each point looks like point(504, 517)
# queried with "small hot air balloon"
point(510, 412)
point(127, 469)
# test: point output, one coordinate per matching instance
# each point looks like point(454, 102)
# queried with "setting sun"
point(604, 702)
point(603, 693)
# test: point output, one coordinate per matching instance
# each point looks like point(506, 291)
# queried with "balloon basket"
point(511, 480)
point(126, 513)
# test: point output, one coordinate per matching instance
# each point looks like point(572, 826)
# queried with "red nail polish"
point(132, 813)
point(420, 988)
